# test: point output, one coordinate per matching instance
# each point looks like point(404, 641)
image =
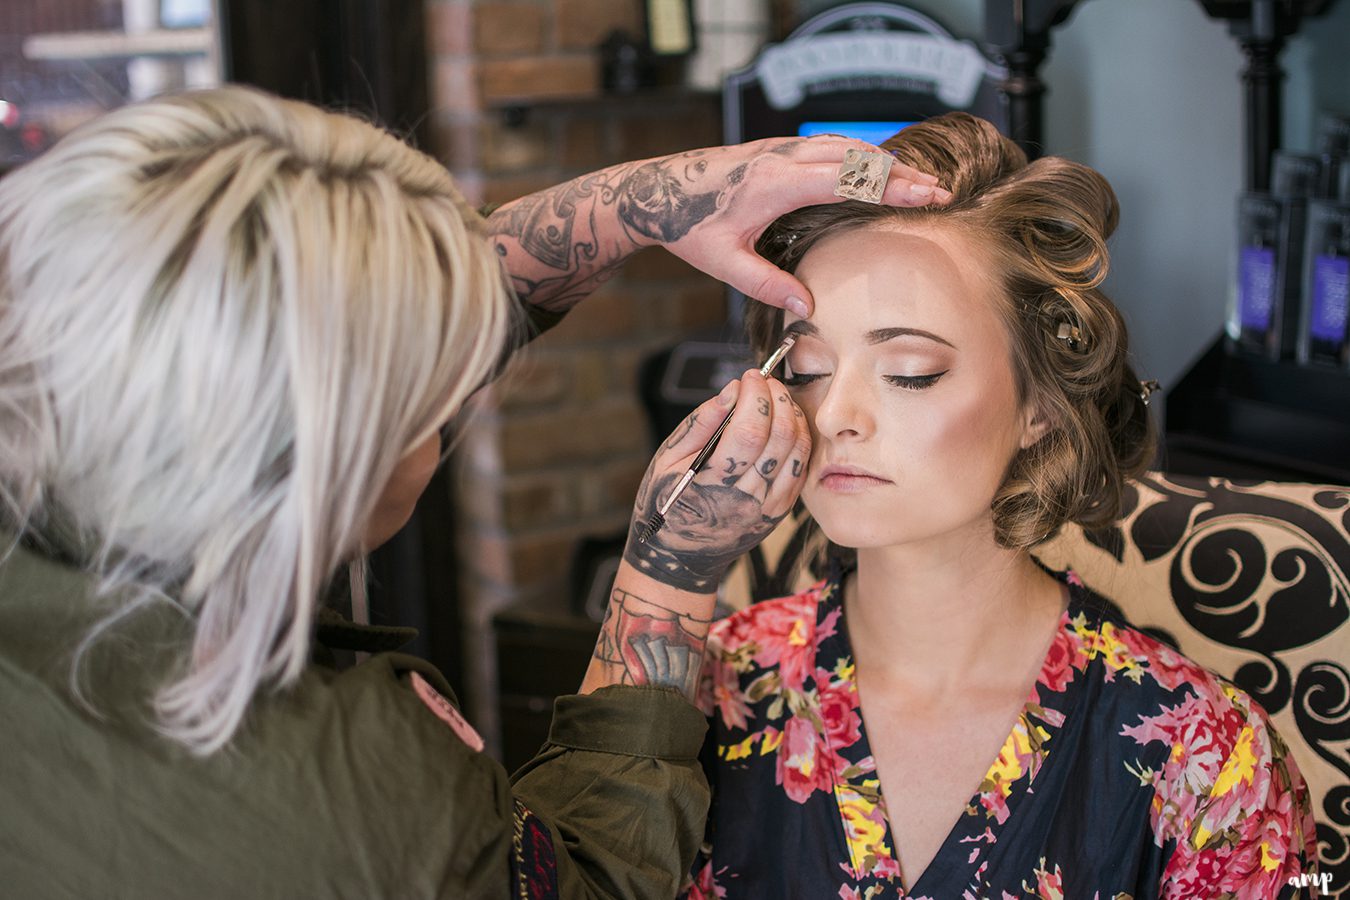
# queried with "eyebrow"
point(875, 336)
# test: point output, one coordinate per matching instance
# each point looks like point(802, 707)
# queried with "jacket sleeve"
point(615, 802)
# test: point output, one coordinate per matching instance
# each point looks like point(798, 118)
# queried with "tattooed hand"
point(748, 485)
point(661, 605)
point(705, 206)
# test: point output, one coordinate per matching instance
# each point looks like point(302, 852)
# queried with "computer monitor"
point(872, 132)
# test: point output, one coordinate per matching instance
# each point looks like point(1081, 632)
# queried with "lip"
point(849, 479)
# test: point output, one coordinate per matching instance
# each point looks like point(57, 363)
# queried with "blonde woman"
point(231, 328)
point(941, 717)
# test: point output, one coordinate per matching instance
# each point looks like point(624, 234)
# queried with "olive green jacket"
point(347, 784)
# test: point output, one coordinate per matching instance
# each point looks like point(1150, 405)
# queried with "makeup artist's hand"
point(660, 608)
point(705, 206)
point(748, 485)
point(708, 207)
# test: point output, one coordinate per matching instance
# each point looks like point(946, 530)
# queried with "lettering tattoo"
point(764, 406)
point(707, 530)
point(682, 431)
point(796, 468)
point(768, 467)
point(734, 470)
point(556, 243)
point(643, 642)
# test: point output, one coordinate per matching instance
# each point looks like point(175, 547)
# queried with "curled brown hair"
point(1045, 226)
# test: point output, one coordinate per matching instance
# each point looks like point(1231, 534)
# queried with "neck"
point(924, 613)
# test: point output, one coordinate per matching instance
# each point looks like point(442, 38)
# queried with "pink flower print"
point(1200, 739)
point(1164, 665)
point(705, 886)
point(720, 690)
point(838, 708)
point(1062, 661)
point(778, 634)
point(805, 764)
point(1049, 885)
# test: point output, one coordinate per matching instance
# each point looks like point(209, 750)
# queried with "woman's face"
point(905, 373)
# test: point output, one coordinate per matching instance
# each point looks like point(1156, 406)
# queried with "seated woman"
point(942, 717)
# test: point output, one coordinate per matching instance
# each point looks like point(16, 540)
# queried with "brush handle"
point(679, 489)
point(709, 447)
point(659, 518)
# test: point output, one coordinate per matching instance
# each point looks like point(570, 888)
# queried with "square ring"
point(863, 175)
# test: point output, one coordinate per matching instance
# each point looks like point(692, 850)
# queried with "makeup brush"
point(658, 518)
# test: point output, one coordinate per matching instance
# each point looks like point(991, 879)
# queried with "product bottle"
point(1265, 313)
point(1324, 335)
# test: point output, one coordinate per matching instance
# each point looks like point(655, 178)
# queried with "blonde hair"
point(224, 319)
point(1045, 225)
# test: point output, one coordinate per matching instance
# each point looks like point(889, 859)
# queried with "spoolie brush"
point(658, 519)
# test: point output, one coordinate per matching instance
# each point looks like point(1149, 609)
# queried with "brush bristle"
point(653, 526)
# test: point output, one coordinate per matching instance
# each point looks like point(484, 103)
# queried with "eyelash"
point(908, 382)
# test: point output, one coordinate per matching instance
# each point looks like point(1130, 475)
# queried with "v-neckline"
point(1022, 753)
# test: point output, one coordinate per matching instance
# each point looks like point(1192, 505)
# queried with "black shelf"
point(1242, 416)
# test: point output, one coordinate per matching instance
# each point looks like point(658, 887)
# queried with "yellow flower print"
point(1239, 767)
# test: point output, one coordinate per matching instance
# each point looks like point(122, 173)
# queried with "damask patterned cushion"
point(1250, 579)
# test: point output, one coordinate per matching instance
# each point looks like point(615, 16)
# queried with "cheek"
point(971, 438)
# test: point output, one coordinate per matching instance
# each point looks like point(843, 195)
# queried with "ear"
point(1036, 423)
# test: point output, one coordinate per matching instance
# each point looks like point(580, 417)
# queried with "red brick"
point(584, 145)
point(448, 28)
point(583, 24)
point(608, 314)
point(625, 364)
point(655, 263)
point(536, 379)
point(457, 141)
point(509, 560)
point(592, 376)
point(500, 28)
point(538, 501)
point(509, 148)
point(612, 490)
point(687, 128)
point(504, 188)
point(596, 433)
point(538, 78)
point(455, 86)
point(702, 305)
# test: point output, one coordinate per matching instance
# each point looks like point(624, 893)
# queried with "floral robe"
point(1130, 773)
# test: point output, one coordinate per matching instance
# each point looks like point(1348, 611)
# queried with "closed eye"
point(916, 382)
point(797, 379)
point(908, 382)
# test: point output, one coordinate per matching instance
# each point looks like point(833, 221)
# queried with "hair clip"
point(1147, 389)
point(1070, 335)
point(787, 238)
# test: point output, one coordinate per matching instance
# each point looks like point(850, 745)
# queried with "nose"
point(847, 410)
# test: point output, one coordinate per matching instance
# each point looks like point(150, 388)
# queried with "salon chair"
point(1248, 578)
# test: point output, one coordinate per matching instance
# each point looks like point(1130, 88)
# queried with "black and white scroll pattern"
point(1262, 568)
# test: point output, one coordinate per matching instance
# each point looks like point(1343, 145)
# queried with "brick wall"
point(560, 444)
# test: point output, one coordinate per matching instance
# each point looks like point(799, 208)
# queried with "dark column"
point(1017, 33)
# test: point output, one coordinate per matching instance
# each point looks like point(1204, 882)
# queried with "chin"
point(847, 531)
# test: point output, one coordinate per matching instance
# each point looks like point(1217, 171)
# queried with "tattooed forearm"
point(560, 244)
point(707, 530)
point(644, 642)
